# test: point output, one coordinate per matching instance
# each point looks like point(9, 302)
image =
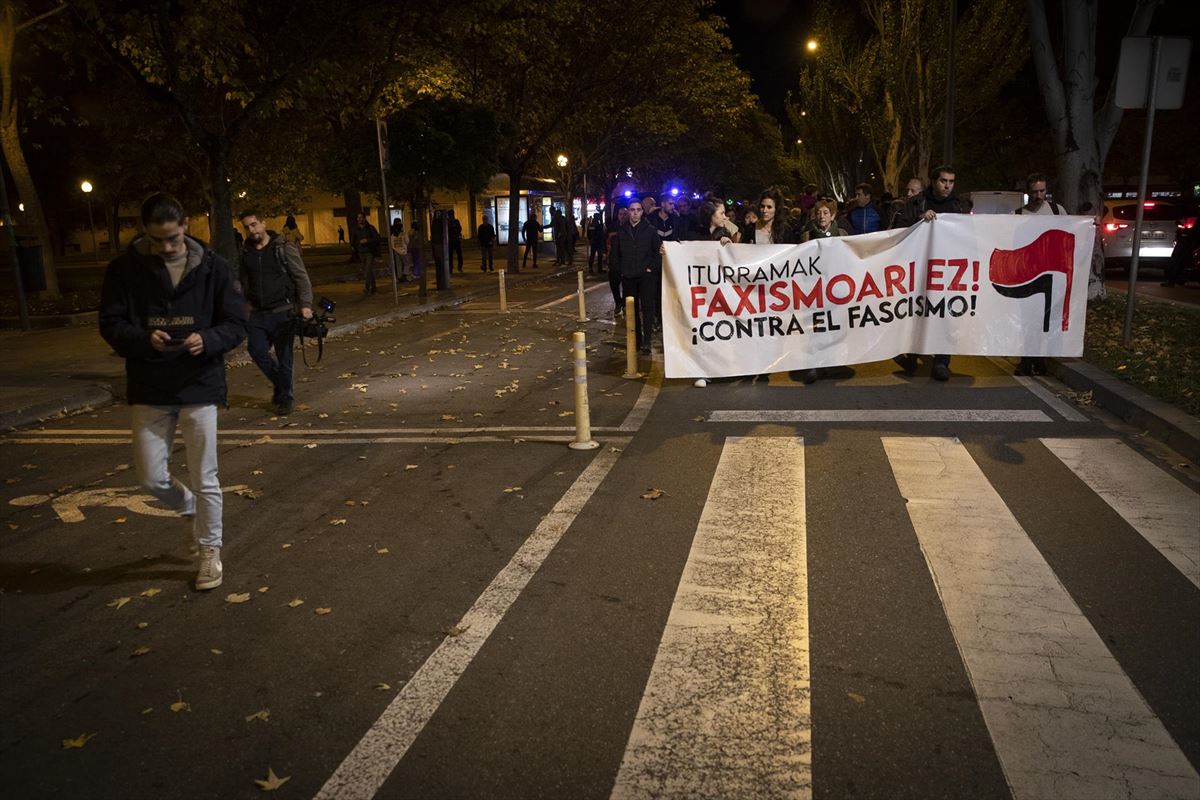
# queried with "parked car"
point(1185, 260)
point(1159, 221)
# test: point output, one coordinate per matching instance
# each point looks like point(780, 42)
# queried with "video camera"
point(316, 326)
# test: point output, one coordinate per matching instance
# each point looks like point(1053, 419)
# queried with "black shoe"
point(1024, 368)
point(907, 362)
point(285, 407)
point(810, 376)
point(941, 372)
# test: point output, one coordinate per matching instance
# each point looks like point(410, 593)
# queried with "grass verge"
point(1163, 358)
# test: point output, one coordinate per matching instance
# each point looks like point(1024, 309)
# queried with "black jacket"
point(635, 250)
point(137, 298)
point(916, 206)
point(277, 280)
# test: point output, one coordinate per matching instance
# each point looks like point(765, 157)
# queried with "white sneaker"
point(208, 576)
point(700, 383)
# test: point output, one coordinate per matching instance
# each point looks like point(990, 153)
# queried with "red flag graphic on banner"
point(1027, 270)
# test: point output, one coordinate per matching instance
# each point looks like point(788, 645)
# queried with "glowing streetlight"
point(811, 45)
point(562, 161)
point(86, 188)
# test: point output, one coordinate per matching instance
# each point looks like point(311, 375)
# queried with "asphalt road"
point(849, 605)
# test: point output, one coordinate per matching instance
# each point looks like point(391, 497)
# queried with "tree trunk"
point(514, 221)
point(220, 219)
point(10, 142)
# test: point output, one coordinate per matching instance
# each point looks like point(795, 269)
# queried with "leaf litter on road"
point(78, 742)
point(272, 781)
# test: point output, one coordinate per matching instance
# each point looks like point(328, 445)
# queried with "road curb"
point(44, 322)
point(88, 399)
point(1161, 420)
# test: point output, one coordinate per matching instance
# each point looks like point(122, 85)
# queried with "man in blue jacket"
point(170, 308)
point(863, 216)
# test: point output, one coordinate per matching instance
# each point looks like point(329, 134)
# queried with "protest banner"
point(1004, 285)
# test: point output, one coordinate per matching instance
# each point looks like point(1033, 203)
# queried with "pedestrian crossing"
point(727, 707)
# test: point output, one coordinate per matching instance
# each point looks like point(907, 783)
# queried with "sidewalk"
point(61, 371)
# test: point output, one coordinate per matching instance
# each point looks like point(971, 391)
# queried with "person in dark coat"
point(635, 254)
point(486, 234)
point(170, 308)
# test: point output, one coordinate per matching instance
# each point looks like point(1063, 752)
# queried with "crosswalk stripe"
point(1160, 508)
point(1065, 719)
point(726, 710)
point(368, 765)
point(882, 415)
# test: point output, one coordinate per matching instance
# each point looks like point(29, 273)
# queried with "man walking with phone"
point(170, 308)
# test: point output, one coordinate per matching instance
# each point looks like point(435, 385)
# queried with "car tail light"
point(1149, 204)
point(1113, 227)
point(1187, 223)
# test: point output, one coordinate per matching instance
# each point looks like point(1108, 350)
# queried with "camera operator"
point(275, 283)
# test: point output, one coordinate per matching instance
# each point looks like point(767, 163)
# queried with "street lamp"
point(562, 161)
point(811, 45)
point(86, 188)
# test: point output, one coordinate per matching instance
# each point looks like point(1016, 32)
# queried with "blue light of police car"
point(628, 193)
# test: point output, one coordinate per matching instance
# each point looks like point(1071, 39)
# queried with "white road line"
point(570, 296)
point(1065, 719)
point(319, 431)
point(726, 710)
point(1160, 508)
point(269, 439)
point(1062, 408)
point(883, 415)
point(641, 409)
point(368, 765)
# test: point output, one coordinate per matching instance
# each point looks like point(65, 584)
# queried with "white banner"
point(1002, 285)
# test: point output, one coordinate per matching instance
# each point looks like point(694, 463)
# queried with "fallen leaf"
point(119, 602)
point(350, 503)
point(312, 446)
point(449, 418)
point(653, 494)
point(147, 710)
point(180, 705)
point(141, 651)
point(263, 589)
point(216, 652)
point(78, 742)
point(382, 686)
point(141, 626)
point(340, 521)
point(411, 466)
point(383, 551)
point(295, 603)
point(150, 592)
point(272, 782)
point(511, 489)
point(322, 611)
point(858, 698)
point(698, 418)
point(120, 521)
point(256, 472)
point(262, 716)
point(456, 630)
point(121, 467)
point(247, 492)
point(237, 598)
point(285, 545)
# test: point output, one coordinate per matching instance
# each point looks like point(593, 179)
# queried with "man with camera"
point(276, 284)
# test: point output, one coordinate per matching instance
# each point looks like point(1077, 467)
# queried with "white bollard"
point(582, 303)
point(503, 297)
point(631, 365)
point(583, 422)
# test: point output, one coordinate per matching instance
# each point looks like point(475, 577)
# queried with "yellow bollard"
point(582, 304)
point(631, 365)
point(503, 297)
point(583, 422)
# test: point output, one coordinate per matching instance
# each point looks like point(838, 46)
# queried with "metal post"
point(503, 296)
point(92, 226)
point(582, 300)
point(11, 235)
point(380, 134)
point(631, 365)
point(583, 421)
point(948, 134)
point(1151, 97)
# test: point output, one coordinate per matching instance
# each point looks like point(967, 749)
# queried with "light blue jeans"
point(153, 437)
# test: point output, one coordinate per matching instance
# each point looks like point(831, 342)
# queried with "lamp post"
point(86, 188)
point(811, 45)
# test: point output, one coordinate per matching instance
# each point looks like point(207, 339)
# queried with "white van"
point(996, 202)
